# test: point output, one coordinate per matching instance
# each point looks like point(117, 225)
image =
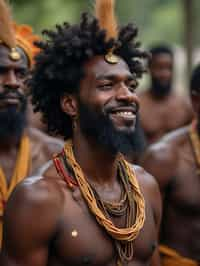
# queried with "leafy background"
point(158, 20)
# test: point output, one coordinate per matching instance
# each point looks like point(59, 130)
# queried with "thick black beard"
point(13, 118)
point(100, 127)
point(138, 139)
point(160, 90)
point(12, 122)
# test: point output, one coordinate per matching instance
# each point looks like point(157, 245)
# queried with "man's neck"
point(97, 163)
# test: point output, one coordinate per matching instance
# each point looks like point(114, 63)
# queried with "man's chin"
point(125, 129)
point(11, 108)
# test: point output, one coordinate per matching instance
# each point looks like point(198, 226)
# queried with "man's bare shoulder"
point(33, 214)
point(43, 147)
point(161, 159)
point(145, 180)
point(181, 99)
point(167, 148)
point(43, 141)
point(37, 191)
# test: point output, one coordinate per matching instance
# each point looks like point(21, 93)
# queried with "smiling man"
point(91, 207)
point(22, 150)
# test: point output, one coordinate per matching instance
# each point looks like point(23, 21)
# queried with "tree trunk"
point(188, 34)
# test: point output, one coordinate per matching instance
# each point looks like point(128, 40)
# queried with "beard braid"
point(100, 127)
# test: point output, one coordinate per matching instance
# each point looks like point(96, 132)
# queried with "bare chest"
point(159, 118)
point(81, 240)
point(181, 223)
point(8, 164)
point(186, 186)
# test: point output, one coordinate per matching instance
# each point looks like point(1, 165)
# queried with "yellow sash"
point(20, 172)
point(170, 257)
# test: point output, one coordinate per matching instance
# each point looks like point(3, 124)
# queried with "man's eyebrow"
point(100, 77)
point(23, 68)
point(20, 67)
point(112, 77)
point(2, 65)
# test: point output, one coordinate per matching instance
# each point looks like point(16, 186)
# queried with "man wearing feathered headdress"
point(22, 150)
point(90, 207)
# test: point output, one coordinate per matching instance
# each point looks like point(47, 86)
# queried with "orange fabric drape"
point(170, 257)
point(20, 172)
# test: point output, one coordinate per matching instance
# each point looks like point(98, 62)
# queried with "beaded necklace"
point(131, 199)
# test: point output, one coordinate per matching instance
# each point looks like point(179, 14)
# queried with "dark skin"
point(162, 113)
point(172, 162)
point(12, 77)
point(35, 119)
point(63, 211)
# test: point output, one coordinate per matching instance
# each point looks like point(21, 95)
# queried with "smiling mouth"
point(124, 114)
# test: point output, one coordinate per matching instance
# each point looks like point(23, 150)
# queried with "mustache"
point(14, 94)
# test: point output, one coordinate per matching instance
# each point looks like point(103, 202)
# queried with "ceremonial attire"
point(170, 257)
point(22, 169)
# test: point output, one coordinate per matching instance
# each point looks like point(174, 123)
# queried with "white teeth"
point(124, 113)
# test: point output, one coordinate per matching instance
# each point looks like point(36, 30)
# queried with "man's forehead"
point(162, 56)
point(6, 60)
point(98, 67)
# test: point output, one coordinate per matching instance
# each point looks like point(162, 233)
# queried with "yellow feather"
point(105, 13)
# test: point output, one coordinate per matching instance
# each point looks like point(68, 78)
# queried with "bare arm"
point(160, 161)
point(153, 196)
point(29, 223)
point(155, 261)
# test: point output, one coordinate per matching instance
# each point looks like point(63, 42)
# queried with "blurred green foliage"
point(158, 20)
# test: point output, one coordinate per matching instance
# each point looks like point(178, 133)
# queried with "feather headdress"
point(6, 30)
point(105, 13)
point(26, 39)
point(13, 35)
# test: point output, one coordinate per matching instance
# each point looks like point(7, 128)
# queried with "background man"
point(91, 210)
point(162, 109)
point(22, 150)
point(175, 162)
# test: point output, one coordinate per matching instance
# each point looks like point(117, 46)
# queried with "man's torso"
point(160, 117)
point(80, 240)
point(181, 215)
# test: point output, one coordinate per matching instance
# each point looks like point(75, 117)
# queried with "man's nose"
point(166, 75)
point(11, 81)
point(124, 93)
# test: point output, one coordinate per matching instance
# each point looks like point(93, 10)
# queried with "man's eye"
point(105, 86)
point(133, 87)
point(22, 73)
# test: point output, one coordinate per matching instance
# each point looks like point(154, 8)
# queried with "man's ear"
point(69, 104)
